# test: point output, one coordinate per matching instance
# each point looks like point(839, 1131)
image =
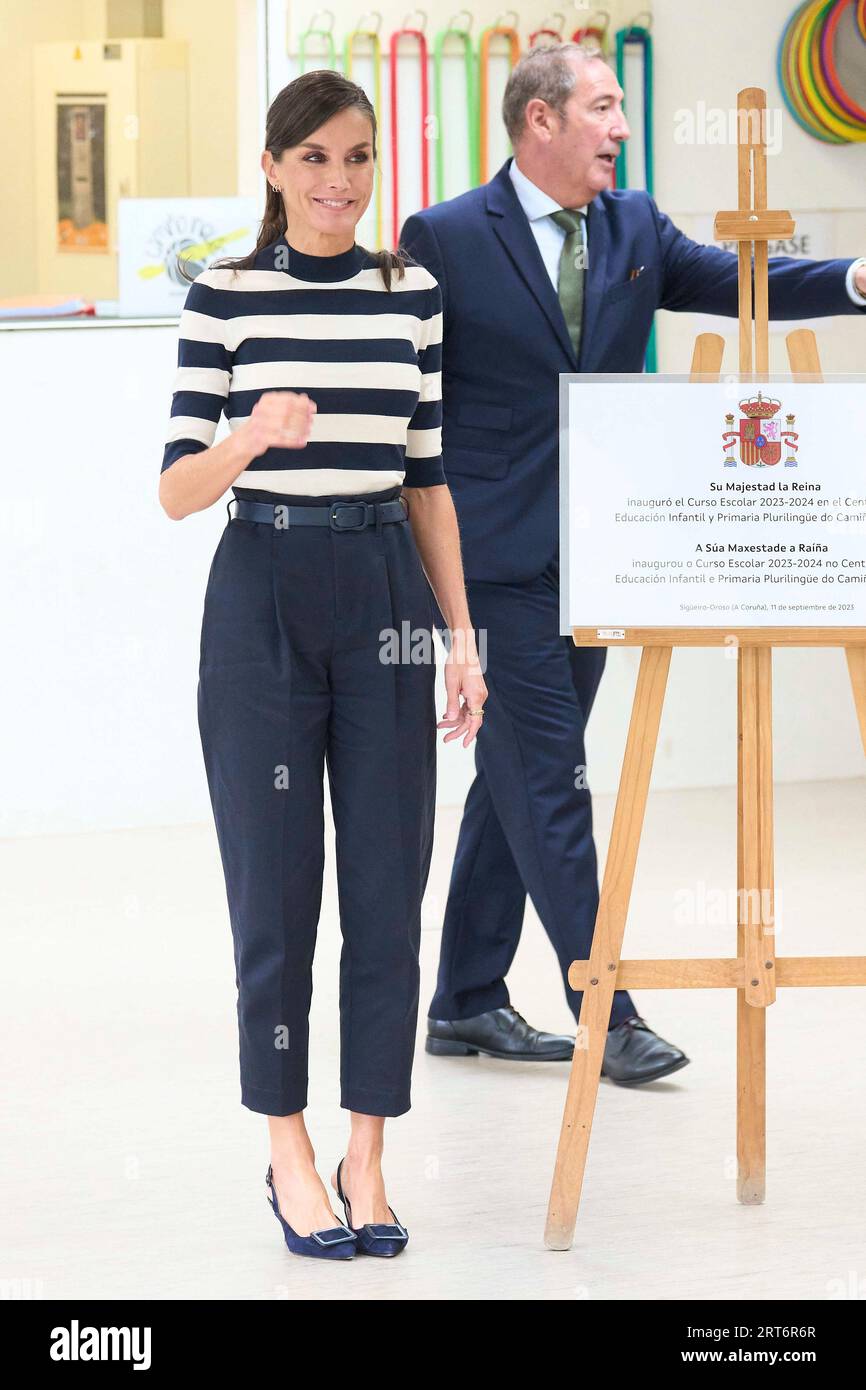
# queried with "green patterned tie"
point(571, 271)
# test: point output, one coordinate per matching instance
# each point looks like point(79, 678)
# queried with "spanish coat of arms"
point(760, 434)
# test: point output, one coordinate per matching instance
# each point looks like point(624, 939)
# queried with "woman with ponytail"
point(326, 360)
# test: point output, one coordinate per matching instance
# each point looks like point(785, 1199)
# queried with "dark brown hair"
point(295, 112)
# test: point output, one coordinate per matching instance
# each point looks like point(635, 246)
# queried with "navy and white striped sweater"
point(370, 358)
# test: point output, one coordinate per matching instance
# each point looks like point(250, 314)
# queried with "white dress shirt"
point(538, 206)
point(852, 289)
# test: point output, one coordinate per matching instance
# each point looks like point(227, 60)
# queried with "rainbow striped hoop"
point(808, 75)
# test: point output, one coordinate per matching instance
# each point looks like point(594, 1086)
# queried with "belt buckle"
point(338, 507)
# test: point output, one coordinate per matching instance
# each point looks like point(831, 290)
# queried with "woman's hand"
point(463, 678)
point(278, 420)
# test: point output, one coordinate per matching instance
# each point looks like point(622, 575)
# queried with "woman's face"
point(327, 180)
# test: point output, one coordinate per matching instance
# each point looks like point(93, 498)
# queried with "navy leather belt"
point(340, 516)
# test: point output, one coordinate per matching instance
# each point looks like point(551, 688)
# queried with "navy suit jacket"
point(506, 342)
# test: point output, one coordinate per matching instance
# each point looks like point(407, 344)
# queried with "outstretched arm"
point(703, 279)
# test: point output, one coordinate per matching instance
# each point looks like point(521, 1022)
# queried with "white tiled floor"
point(129, 1168)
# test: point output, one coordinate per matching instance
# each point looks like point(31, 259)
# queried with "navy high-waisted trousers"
point(297, 672)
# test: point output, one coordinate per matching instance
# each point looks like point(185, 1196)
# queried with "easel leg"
point(756, 912)
point(606, 948)
point(857, 671)
point(751, 1102)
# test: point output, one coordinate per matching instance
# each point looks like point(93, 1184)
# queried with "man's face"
point(585, 145)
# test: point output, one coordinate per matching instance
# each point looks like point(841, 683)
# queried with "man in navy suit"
point(544, 270)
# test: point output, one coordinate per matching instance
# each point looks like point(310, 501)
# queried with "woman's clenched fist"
point(279, 420)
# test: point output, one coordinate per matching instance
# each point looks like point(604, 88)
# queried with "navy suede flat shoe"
point(337, 1243)
point(376, 1237)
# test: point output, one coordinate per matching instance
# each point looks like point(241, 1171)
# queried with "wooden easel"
point(755, 972)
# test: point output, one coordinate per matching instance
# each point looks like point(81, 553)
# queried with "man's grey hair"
point(545, 72)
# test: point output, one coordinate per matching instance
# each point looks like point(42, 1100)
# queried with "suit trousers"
point(298, 672)
point(527, 821)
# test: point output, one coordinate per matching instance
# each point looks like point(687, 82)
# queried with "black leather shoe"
point(499, 1033)
point(634, 1054)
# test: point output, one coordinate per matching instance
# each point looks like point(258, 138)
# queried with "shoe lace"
point(518, 1020)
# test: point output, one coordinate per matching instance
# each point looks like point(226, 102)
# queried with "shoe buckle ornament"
point(338, 1236)
point(382, 1231)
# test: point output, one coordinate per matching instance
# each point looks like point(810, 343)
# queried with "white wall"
point(102, 594)
point(102, 598)
point(709, 63)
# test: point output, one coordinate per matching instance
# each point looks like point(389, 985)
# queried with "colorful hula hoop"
point(637, 36)
point(789, 81)
point(828, 67)
point(809, 78)
point(329, 58)
point(552, 34)
point(596, 34)
point(506, 31)
point(394, 48)
point(829, 109)
point(464, 38)
point(372, 37)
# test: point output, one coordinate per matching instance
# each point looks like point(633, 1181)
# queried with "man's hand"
point(860, 279)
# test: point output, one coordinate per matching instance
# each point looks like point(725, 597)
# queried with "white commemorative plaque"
point(712, 504)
